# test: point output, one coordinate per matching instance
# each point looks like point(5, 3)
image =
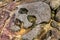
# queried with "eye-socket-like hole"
point(18, 22)
point(31, 18)
point(23, 11)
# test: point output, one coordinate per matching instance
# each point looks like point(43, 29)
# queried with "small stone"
point(54, 24)
point(55, 4)
point(57, 17)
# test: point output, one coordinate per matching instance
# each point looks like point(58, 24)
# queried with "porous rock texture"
point(40, 10)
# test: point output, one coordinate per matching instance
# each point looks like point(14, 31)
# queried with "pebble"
point(57, 17)
point(54, 4)
point(54, 24)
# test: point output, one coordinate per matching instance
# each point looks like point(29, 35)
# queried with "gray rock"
point(23, 18)
point(39, 9)
point(33, 33)
point(14, 28)
point(54, 24)
point(55, 4)
point(57, 18)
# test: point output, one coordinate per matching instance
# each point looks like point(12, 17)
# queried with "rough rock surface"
point(33, 33)
point(23, 17)
point(40, 10)
point(55, 33)
point(55, 3)
point(52, 34)
point(57, 18)
point(15, 28)
point(30, 14)
point(54, 24)
point(30, 1)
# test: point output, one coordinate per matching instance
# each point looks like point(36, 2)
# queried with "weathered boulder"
point(40, 10)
